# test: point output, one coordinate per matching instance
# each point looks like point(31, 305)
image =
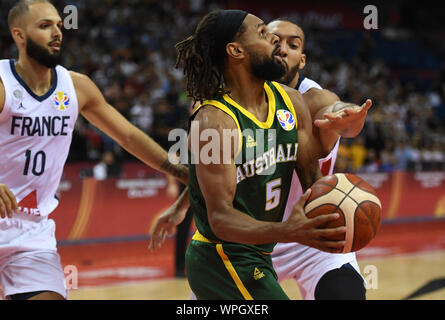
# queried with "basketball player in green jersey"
point(238, 205)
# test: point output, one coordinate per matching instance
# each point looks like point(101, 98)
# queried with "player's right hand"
point(310, 231)
point(8, 203)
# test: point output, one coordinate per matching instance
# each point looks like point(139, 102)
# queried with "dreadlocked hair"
point(203, 75)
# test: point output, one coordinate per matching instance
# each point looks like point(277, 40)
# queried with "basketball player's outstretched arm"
point(218, 185)
point(8, 202)
point(344, 117)
point(95, 109)
point(335, 118)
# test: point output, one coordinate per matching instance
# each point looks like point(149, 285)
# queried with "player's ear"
point(18, 34)
point(234, 50)
point(302, 61)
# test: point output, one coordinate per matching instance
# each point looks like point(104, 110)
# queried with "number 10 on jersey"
point(36, 162)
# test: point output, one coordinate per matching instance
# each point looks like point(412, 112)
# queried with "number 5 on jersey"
point(273, 194)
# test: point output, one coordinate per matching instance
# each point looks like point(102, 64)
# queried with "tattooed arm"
point(178, 171)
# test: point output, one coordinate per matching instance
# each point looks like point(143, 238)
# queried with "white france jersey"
point(326, 164)
point(35, 135)
point(305, 84)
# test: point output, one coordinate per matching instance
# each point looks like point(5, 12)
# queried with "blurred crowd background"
point(127, 48)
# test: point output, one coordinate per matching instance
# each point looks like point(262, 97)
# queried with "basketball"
point(356, 202)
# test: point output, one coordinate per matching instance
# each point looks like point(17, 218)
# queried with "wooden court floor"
point(397, 277)
point(402, 259)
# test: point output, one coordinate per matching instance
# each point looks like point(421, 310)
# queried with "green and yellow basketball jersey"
point(264, 164)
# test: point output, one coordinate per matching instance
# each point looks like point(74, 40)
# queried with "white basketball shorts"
point(29, 260)
point(307, 265)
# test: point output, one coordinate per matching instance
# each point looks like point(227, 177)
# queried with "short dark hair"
point(287, 19)
point(20, 8)
point(294, 22)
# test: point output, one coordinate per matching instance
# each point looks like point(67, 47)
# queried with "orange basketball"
point(356, 202)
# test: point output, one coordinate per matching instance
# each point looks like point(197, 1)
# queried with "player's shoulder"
point(319, 98)
point(307, 84)
point(2, 87)
point(2, 95)
point(293, 94)
point(210, 116)
point(87, 91)
point(82, 82)
point(295, 97)
point(78, 77)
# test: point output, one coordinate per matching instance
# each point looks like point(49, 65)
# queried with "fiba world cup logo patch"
point(286, 119)
point(61, 100)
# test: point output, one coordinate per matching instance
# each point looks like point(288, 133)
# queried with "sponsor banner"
point(91, 209)
point(322, 15)
point(109, 208)
point(409, 194)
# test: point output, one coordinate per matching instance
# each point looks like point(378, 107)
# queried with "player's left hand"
point(346, 117)
point(165, 225)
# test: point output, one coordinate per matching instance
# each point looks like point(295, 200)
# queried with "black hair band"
point(228, 23)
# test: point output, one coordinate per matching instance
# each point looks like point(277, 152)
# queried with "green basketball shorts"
point(229, 271)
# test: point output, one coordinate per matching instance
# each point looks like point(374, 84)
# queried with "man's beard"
point(266, 68)
point(290, 75)
point(42, 55)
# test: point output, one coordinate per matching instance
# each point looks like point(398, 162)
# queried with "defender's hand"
point(308, 231)
point(8, 203)
point(345, 115)
point(165, 225)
